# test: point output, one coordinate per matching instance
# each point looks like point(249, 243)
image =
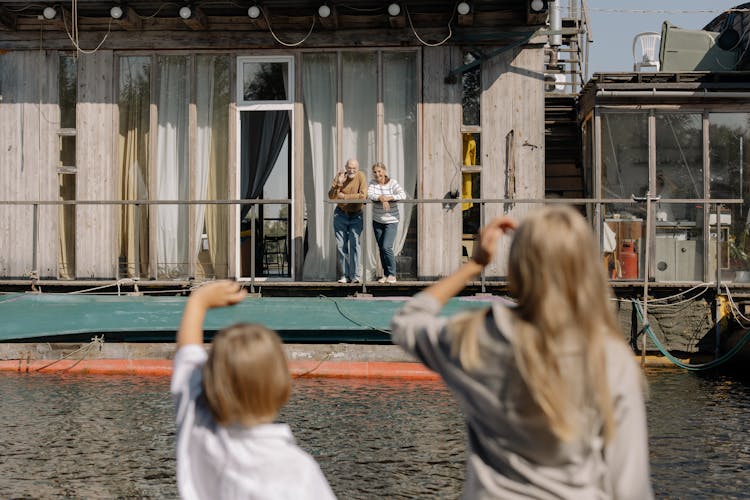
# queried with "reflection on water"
point(104, 437)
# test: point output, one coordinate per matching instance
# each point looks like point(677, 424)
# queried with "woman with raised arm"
point(551, 393)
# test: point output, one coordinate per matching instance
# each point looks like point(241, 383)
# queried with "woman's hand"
point(384, 199)
point(488, 236)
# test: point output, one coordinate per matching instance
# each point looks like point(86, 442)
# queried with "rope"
point(350, 318)
point(690, 367)
point(96, 340)
point(118, 283)
point(308, 372)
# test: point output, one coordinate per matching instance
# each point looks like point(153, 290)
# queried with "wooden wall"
point(29, 120)
point(512, 111)
point(96, 225)
point(439, 225)
point(512, 139)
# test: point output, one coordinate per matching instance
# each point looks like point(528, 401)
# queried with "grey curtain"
point(262, 134)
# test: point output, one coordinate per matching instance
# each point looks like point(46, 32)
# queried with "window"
point(471, 168)
point(363, 105)
point(66, 170)
point(189, 163)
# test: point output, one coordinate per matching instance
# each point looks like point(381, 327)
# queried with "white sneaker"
point(391, 279)
point(382, 280)
point(342, 279)
point(355, 280)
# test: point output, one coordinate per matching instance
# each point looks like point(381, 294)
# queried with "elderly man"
point(349, 184)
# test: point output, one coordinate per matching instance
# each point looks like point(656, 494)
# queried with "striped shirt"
point(375, 191)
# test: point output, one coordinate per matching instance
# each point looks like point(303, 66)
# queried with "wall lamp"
point(538, 6)
point(253, 12)
point(463, 8)
point(186, 12)
point(49, 12)
point(324, 11)
point(394, 9)
point(115, 12)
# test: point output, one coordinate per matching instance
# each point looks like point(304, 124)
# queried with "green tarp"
point(308, 319)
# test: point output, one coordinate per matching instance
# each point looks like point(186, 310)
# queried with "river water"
point(107, 437)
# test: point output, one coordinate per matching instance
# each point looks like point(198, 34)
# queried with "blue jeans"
point(385, 235)
point(348, 229)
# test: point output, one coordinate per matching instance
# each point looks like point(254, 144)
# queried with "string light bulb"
point(115, 12)
point(463, 8)
point(537, 5)
point(49, 12)
point(394, 9)
point(253, 12)
point(324, 11)
point(185, 12)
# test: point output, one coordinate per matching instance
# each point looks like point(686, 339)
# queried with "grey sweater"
point(511, 451)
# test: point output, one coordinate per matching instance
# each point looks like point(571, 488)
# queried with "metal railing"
point(594, 208)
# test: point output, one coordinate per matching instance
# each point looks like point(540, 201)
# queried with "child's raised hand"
point(488, 237)
point(219, 294)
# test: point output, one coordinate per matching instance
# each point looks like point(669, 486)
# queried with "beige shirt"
point(353, 189)
point(512, 453)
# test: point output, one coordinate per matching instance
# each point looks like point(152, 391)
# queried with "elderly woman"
point(383, 190)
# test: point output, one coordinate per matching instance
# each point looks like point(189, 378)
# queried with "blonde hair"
point(246, 379)
point(381, 166)
point(562, 295)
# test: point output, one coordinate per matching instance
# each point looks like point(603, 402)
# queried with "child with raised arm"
point(551, 393)
point(226, 400)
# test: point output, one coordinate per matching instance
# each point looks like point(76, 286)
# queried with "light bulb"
point(185, 12)
point(463, 8)
point(115, 12)
point(537, 5)
point(324, 11)
point(394, 9)
point(49, 12)
point(254, 12)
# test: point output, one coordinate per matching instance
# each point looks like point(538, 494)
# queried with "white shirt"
point(218, 462)
point(375, 191)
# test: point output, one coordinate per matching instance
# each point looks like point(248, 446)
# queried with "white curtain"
point(319, 82)
point(172, 169)
point(359, 134)
point(204, 102)
point(400, 131)
point(359, 96)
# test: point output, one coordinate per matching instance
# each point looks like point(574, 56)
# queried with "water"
point(107, 437)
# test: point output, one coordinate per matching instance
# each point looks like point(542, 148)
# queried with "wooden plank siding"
point(29, 120)
point(512, 114)
point(439, 226)
point(96, 230)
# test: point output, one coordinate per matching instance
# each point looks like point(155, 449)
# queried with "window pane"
point(68, 91)
point(211, 147)
point(319, 79)
point(133, 145)
point(265, 81)
point(728, 136)
point(360, 104)
point(472, 91)
point(172, 167)
point(679, 155)
point(624, 146)
point(728, 140)
point(400, 155)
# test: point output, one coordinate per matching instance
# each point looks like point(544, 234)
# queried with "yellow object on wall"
point(470, 158)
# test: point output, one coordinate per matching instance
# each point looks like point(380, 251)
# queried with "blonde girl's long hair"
point(563, 299)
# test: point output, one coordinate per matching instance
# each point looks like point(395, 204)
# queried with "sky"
point(615, 23)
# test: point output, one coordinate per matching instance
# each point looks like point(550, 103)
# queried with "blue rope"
point(697, 367)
